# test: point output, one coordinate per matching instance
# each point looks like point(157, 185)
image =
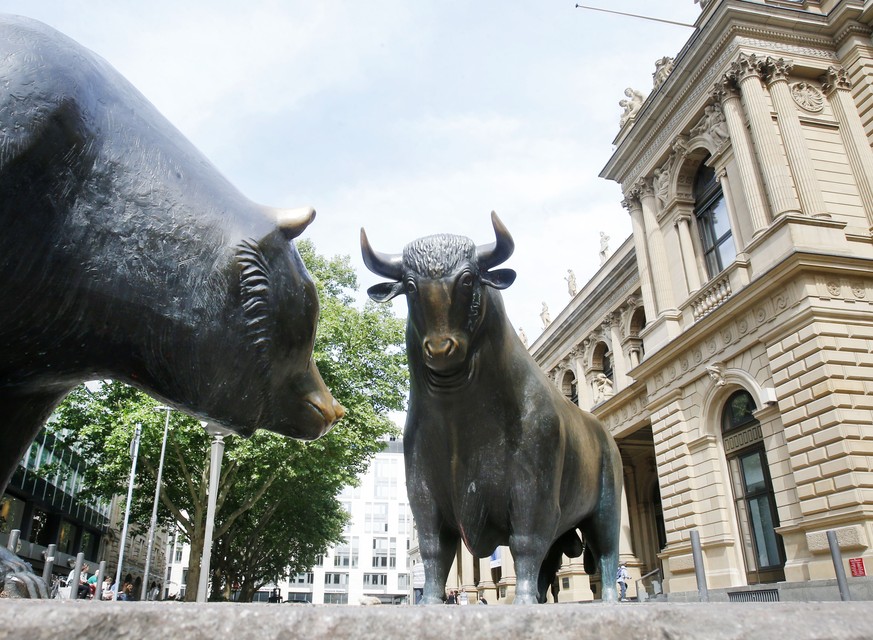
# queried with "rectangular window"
point(402, 581)
point(336, 579)
point(375, 579)
point(376, 517)
point(336, 598)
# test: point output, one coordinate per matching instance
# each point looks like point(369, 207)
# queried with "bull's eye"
point(410, 286)
point(467, 280)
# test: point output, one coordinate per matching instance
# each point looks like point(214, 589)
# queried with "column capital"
point(835, 78)
point(744, 67)
point(777, 69)
point(644, 188)
point(631, 200)
point(725, 90)
point(682, 218)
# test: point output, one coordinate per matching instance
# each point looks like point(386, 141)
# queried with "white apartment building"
point(373, 562)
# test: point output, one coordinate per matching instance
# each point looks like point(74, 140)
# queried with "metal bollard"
point(837, 557)
point(49, 557)
point(98, 592)
point(699, 572)
point(73, 582)
point(12, 543)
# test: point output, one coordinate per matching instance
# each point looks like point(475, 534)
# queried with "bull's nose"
point(339, 411)
point(331, 410)
point(440, 348)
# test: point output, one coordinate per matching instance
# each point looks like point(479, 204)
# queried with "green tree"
point(276, 507)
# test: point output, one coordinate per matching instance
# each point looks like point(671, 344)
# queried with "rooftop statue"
point(126, 255)
point(495, 455)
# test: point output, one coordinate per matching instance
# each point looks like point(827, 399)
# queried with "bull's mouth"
point(449, 379)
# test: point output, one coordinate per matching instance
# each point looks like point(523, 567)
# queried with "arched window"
point(753, 489)
point(713, 224)
point(568, 387)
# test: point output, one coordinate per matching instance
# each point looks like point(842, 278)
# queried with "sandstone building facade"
point(728, 344)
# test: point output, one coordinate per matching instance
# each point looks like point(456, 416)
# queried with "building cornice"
point(733, 27)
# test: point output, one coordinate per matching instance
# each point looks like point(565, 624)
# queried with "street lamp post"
point(134, 452)
point(154, 522)
point(217, 453)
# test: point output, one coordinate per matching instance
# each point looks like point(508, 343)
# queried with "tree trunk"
point(194, 567)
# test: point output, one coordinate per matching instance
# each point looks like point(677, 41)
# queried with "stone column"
point(583, 388)
point(487, 588)
point(746, 72)
point(727, 94)
point(736, 230)
point(658, 266)
point(466, 577)
point(632, 204)
point(619, 366)
point(799, 158)
point(686, 248)
point(507, 579)
point(837, 89)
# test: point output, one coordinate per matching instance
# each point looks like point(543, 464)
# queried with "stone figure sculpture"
point(126, 255)
point(604, 248)
point(663, 67)
point(495, 455)
point(571, 282)
point(523, 337)
point(633, 103)
point(545, 316)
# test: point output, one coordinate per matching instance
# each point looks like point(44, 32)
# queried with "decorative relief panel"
point(807, 96)
point(710, 349)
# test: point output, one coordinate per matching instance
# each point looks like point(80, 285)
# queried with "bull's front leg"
point(528, 552)
point(437, 544)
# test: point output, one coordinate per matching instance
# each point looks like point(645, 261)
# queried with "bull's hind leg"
point(601, 529)
point(24, 415)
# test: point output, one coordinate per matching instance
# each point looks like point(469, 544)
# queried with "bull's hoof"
point(17, 580)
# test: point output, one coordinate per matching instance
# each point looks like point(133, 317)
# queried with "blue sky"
point(407, 118)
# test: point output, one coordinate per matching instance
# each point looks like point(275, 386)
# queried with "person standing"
point(622, 578)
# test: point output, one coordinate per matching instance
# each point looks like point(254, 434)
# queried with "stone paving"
point(70, 620)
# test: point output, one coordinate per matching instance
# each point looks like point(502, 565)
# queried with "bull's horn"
point(383, 264)
point(292, 222)
point(490, 255)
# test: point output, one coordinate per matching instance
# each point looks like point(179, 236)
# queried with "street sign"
point(856, 566)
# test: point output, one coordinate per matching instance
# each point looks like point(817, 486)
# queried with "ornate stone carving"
point(712, 126)
point(663, 67)
point(631, 105)
point(716, 373)
point(643, 188)
point(807, 97)
point(545, 316)
point(604, 248)
point(571, 282)
point(777, 68)
point(602, 387)
point(661, 184)
point(724, 90)
point(745, 66)
point(835, 78)
point(523, 337)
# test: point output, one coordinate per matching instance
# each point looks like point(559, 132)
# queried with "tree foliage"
point(277, 507)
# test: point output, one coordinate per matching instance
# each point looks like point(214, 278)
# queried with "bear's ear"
point(499, 278)
point(385, 291)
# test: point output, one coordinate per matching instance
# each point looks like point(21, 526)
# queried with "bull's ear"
point(385, 291)
point(499, 278)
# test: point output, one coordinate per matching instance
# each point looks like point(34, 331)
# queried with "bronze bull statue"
point(125, 254)
point(495, 455)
